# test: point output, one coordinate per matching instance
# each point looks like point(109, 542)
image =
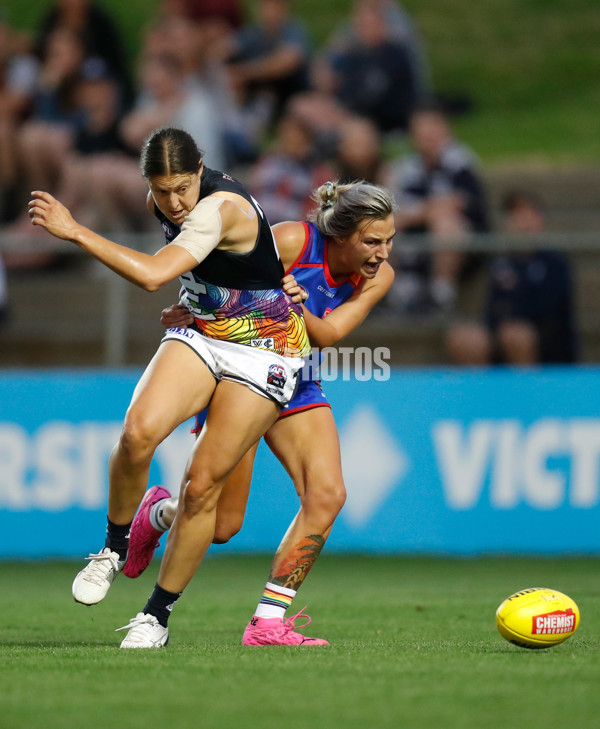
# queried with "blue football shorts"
point(309, 395)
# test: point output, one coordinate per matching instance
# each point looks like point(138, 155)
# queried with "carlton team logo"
point(276, 376)
point(560, 621)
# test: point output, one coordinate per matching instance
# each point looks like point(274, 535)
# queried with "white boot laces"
point(138, 628)
point(100, 567)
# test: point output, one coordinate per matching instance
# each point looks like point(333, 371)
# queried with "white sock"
point(155, 516)
point(275, 601)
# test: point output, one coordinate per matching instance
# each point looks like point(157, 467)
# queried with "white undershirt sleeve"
point(201, 230)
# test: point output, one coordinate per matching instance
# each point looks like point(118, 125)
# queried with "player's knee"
point(224, 533)
point(325, 499)
point(519, 342)
point(337, 498)
point(227, 526)
point(137, 442)
point(200, 493)
point(221, 537)
point(468, 344)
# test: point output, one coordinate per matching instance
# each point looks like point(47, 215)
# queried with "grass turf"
point(414, 644)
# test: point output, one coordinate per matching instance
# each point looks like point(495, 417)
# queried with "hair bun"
point(329, 194)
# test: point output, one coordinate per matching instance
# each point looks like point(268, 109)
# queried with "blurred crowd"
point(266, 105)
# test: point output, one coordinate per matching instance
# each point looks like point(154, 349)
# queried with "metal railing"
point(113, 317)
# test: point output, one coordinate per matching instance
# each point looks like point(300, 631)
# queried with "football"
point(537, 618)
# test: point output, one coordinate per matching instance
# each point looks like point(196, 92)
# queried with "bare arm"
point(290, 238)
point(146, 271)
point(345, 318)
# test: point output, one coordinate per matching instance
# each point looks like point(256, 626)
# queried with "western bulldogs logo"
point(276, 376)
point(267, 343)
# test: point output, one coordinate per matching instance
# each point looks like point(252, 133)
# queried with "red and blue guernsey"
point(311, 270)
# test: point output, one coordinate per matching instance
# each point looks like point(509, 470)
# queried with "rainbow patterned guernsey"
point(237, 297)
point(266, 318)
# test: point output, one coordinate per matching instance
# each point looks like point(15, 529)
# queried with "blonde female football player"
point(221, 248)
point(340, 260)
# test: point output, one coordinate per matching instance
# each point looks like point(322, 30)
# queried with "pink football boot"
point(143, 537)
point(274, 631)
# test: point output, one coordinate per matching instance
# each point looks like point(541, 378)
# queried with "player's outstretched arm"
point(147, 271)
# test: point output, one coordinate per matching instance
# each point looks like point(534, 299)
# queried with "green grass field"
point(414, 644)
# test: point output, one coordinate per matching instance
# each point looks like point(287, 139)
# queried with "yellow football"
point(537, 618)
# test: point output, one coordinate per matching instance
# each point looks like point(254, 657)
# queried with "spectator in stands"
point(229, 13)
point(3, 292)
point(401, 28)
point(18, 74)
point(216, 22)
point(98, 102)
point(97, 146)
point(203, 74)
point(180, 38)
point(70, 32)
point(374, 76)
point(47, 135)
point(439, 192)
point(284, 178)
point(166, 98)
point(96, 30)
point(94, 148)
point(270, 58)
point(359, 154)
point(324, 115)
point(529, 308)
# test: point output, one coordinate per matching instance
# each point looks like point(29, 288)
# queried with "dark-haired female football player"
point(240, 357)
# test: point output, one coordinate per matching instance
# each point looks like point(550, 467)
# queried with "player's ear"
point(150, 201)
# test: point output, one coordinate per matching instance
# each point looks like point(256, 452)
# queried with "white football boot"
point(144, 632)
point(92, 583)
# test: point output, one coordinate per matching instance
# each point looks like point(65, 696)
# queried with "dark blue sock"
point(117, 538)
point(160, 603)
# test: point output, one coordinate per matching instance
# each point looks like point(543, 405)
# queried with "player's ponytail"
point(169, 151)
point(341, 208)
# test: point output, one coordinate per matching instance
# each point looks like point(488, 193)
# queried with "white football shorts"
point(267, 373)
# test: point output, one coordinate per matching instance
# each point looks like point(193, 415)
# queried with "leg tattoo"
point(294, 568)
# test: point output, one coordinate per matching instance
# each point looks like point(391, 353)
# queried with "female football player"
point(241, 354)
